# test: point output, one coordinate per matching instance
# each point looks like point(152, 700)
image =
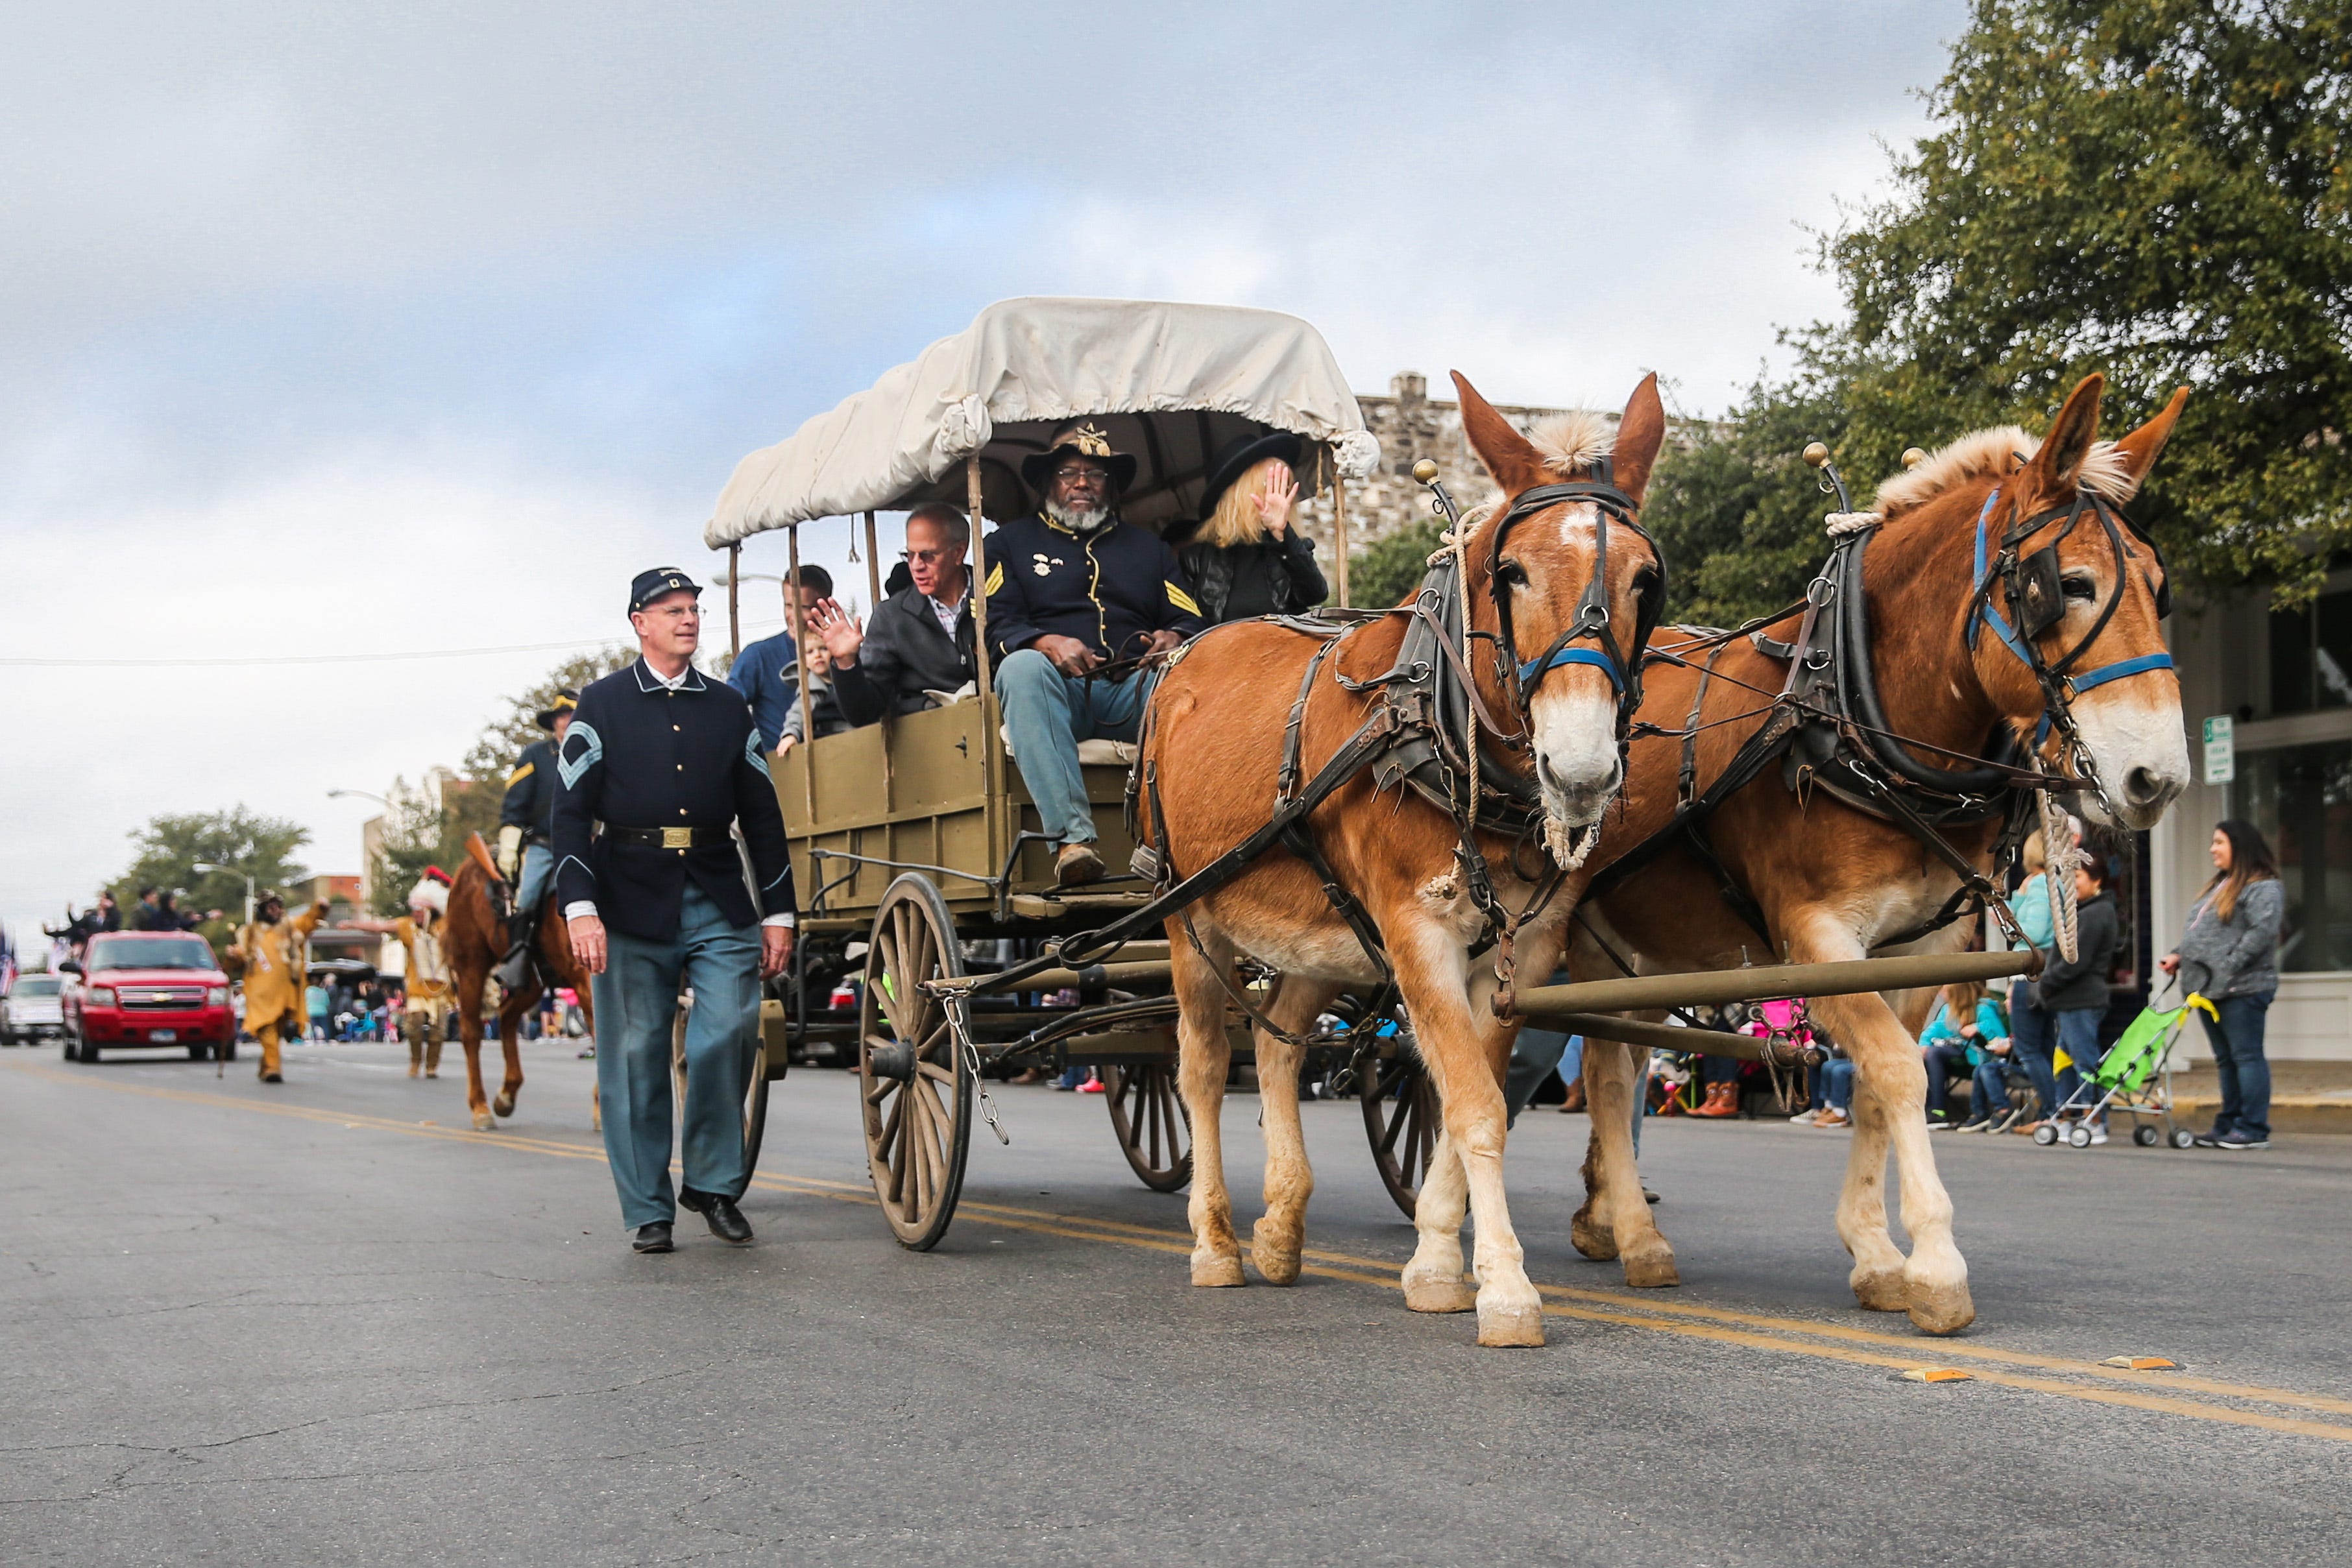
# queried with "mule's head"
point(1567, 591)
point(2089, 600)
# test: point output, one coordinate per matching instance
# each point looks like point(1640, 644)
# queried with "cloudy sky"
point(380, 329)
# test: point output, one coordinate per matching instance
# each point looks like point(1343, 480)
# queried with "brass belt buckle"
point(677, 838)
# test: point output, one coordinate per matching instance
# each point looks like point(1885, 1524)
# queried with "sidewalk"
point(2305, 1096)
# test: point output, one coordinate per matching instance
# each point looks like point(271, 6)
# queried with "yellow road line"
point(1720, 1325)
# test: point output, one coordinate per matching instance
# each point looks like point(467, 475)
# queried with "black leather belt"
point(662, 838)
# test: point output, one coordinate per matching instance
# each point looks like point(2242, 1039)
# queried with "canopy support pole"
point(734, 609)
point(1340, 528)
point(873, 572)
point(978, 575)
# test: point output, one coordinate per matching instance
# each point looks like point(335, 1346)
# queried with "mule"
point(1828, 879)
point(475, 940)
point(1216, 745)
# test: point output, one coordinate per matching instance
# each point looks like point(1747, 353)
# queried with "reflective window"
point(150, 953)
point(2301, 797)
point(35, 986)
point(2310, 655)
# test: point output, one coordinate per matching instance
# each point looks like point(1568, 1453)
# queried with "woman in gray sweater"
point(2229, 955)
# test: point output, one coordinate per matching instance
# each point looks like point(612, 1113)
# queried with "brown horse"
point(1833, 880)
point(475, 942)
point(1217, 748)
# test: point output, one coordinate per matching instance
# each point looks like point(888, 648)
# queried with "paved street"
point(325, 1323)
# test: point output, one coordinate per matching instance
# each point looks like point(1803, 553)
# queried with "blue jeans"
point(1946, 1060)
point(2029, 1037)
point(2078, 1037)
point(2237, 1041)
point(538, 865)
point(636, 1000)
point(1989, 1095)
point(1837, 1083)
point(1539, 1051)
point(1047, 713)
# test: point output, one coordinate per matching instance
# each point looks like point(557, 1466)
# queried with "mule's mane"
point(1572, 441)
point(1995, 454)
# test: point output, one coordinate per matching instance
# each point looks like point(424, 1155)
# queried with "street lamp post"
point(207, 867)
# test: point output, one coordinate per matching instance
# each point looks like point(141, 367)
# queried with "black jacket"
point(640, 755)
point(1111, 590)
point(906, 653)
point(1264, 577)
point(529, 802)
point(2065, 988)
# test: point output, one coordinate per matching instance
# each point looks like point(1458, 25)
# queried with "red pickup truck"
point(148, 989)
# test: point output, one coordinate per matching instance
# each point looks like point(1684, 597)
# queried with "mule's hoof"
point(1216, 1270)
point(1276, 1254)
point(1593, 1240)
point(482, 1122)
point(1441, 1296)
point(503, 1104)
point(1941, 1311)
point(1506, 1326)
point(1651, 1270)
point(1881, 1291)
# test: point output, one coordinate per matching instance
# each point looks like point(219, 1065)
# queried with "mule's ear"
point(2140, 448)
point(1641, 431)
point(2057, 467)
point(1511, 458)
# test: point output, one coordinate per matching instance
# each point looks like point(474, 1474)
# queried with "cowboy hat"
point(1082, 440)
point(565, 701)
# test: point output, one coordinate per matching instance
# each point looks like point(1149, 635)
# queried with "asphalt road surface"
point(323, 1322)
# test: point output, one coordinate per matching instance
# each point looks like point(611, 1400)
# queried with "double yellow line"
point(2165, 1393)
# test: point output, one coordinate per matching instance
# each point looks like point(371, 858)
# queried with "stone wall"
point(1412, 425)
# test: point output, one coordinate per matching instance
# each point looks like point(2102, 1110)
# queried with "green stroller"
point(2134, 1079)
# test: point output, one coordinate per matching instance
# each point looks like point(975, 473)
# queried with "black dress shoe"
point(654, 1237)
point(726, 1220)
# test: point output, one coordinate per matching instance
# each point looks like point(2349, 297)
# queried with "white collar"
point(689, 679)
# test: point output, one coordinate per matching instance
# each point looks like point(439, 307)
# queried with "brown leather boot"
point(1722, 1100)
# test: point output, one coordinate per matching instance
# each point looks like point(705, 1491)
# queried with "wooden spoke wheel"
point(755, 1092)
point(1402, 1118)
point(915, 1090)
point(1154, 1129)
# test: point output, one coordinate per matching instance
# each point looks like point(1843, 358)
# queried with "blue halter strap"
point(1534, 668)
point(1984, 614)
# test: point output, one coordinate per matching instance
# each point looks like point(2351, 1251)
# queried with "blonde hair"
point(2037, 858)
point(1961, 999)
point(1236, 520)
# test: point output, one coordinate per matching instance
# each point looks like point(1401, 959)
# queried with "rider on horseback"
point(526, 827)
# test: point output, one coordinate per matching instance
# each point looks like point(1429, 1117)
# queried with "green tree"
point(2158, 191)
point(1386, 571)
point(166, 852)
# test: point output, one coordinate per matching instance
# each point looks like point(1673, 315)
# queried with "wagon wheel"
point(1154, 1129)
point(755, 1093)
point(915, 1090)
point(1402, 1117)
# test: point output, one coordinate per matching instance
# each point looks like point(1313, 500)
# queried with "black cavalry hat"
point(649, 586)
point(1080, 439)
point(565, 701)
point(1240, 457)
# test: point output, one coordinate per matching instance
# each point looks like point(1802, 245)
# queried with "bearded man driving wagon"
point(1080, 605)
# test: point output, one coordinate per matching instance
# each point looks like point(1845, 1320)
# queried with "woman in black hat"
point(1247, 557)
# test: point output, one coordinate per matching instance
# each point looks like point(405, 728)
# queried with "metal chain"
point(959, 1028)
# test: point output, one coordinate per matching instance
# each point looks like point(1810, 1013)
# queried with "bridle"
point(2036, 589)
point(1621, 662)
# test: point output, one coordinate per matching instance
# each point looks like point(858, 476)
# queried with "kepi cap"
point(649, 586)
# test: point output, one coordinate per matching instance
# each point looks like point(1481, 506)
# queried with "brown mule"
point(475, 939)
point(1215, 748)
point(1833, 882)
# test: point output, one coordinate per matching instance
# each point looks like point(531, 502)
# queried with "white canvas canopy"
point(1172, 385)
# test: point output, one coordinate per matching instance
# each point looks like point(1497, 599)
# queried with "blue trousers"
point(2078, 1036)
point(2237, 1042)
point(1539, 1051)
point(636, 1002)
point(538, 865)
point(1047, 713)
point(2030, 1035)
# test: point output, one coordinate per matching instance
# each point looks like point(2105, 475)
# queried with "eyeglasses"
point(925, 557)
point(1074, 474)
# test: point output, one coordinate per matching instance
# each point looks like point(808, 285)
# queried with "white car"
point(32, 1011)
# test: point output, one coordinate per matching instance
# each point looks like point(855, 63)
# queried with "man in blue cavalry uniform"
point(1079, 604)
point(658, 764)
point(527, 836)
